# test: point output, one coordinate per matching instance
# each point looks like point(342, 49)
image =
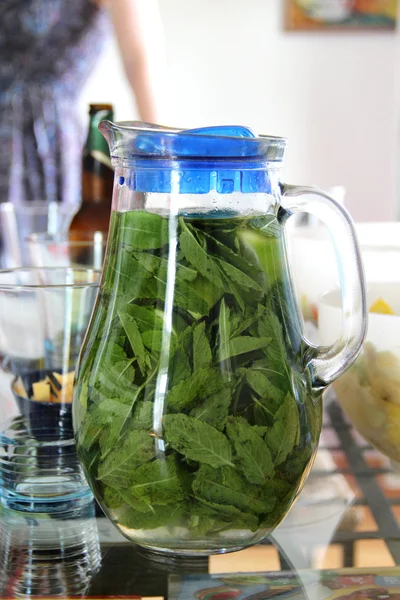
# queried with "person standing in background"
point(48, 49)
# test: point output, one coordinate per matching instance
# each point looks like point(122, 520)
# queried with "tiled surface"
point(369, 532)
point(348, 515)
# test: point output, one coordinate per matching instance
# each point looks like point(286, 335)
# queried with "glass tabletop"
point(341, 539)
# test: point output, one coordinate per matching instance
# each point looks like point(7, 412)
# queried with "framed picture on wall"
point(303, 15)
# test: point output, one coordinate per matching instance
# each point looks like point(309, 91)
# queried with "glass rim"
point(41, 207)
point(37, 286)
point(47, 239)
point(143, 127)
point(159, 144)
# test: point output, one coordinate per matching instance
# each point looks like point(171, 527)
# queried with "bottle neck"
point(96, 146)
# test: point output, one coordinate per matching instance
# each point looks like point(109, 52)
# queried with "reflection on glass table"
point(347, 519)
point(44, 556)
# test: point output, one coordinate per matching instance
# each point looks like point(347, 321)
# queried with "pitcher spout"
point(109, 131)
point(121, 136)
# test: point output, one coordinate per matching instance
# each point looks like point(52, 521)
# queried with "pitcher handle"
point(326, 363)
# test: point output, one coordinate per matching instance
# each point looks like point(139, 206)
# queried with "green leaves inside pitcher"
point(193, 414)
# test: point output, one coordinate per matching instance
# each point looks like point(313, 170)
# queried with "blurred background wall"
point(334, 95)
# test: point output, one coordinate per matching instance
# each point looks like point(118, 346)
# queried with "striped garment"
point(47, 51)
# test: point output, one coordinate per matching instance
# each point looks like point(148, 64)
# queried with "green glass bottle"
point(97, 180)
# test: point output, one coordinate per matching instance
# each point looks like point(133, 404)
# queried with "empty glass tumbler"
point(43, 319)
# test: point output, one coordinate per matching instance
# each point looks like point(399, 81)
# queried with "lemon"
point(393, 422)
point(381, 307)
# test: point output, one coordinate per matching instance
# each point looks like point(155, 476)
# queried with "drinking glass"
point(45, 250)
point(18, 221)
point(44, 314)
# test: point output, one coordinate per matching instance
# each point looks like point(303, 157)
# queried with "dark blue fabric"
point(47, 51)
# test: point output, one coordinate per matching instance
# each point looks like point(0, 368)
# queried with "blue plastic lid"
point(224, 159)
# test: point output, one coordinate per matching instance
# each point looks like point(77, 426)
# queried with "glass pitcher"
point(197, 409)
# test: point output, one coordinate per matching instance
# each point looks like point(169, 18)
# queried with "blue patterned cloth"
point(47, 50)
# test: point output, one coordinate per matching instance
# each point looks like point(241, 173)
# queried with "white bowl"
point(369, 392)
point(314, 266)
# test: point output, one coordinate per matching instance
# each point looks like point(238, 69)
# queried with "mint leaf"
point(143, 230)
point(184, 395)
point(158, 267)
point(179, 366)
point(242, 345)
point(296, 463)
point(161, 516)
point(252, 452)
point(112, 498)
point(201, 347)
point(234, 258)
point(157, 482)
point(197, 440)
point(262, 250)
point(198, 386)
point(209, 292)
point(198, 257)
point(264, 411)
point(276, 352)
point(147, 319)
point(239, 325)
point(152, 341)
point(260, 383)
point(227, 514)
point(151, 282)
point(261, 430)
point(114, 373)
point(238, 277)
point(283, 435)
point(136, 449)
point(201, 524)
point(135, 340)
point(142, 417)
point(214, 410)
point(224, 329)
point(127, 279)
point(88, 432)
point(109, 409)
point(224, 486)
point(270, 399)
point(186, 296)
point(110, 434)
point(83, 396)
point(110, 385)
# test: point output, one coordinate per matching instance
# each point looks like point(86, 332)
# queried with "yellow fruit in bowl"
point(369, 393)
point(381, 307)
point(393, 422)
point(384, 377)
